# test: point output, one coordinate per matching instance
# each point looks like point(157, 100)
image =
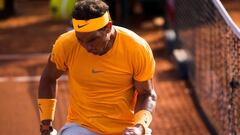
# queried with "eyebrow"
point(87, 40)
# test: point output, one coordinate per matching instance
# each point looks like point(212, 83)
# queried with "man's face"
point(94, 42)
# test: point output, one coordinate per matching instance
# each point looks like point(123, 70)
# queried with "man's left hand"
point(136, 130)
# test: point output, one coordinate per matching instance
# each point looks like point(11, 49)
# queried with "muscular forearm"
point(146, 101)
point(47, 85)
point(46, 104)
point(47, 88)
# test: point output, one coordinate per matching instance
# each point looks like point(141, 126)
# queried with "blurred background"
point(196, 45)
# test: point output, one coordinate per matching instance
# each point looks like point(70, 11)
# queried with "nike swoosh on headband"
point(80, 26)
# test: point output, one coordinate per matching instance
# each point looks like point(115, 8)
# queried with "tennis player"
point(110, 71)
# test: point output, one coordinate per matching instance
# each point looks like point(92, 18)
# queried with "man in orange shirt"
point(110, 72)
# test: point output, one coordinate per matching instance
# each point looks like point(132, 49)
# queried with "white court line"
point(22, 56)
point(27, 79)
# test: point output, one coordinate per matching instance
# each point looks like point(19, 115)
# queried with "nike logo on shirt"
point(96, 71)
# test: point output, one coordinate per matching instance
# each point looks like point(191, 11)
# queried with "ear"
point(109, 26)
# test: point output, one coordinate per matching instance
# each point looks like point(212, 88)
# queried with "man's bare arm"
point(146, 99)
point(47, 86)
point(47, 90)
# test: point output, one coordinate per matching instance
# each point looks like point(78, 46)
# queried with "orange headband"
point(92, 24)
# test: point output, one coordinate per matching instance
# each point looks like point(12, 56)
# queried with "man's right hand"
point(46, 127)
point(46, 133)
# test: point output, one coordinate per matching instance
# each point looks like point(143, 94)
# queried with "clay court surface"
point(28, 37)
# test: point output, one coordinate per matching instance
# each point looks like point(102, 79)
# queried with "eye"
point(91, 40)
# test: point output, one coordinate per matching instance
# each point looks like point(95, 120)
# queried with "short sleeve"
point(143, 63)
point(58, 55)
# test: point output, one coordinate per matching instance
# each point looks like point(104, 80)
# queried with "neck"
point(111, 40)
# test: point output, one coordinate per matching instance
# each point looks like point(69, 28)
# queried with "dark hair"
point(89, 9)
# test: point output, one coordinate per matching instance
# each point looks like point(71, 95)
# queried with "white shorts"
point(75, 129)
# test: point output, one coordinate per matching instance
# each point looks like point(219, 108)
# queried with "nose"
point(90, 48)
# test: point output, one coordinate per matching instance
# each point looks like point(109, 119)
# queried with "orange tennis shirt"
point(101, 87)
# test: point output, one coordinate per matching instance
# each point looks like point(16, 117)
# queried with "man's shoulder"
point(131, 37)
point(67, 41)
point(68, 36)
point(125, 32)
